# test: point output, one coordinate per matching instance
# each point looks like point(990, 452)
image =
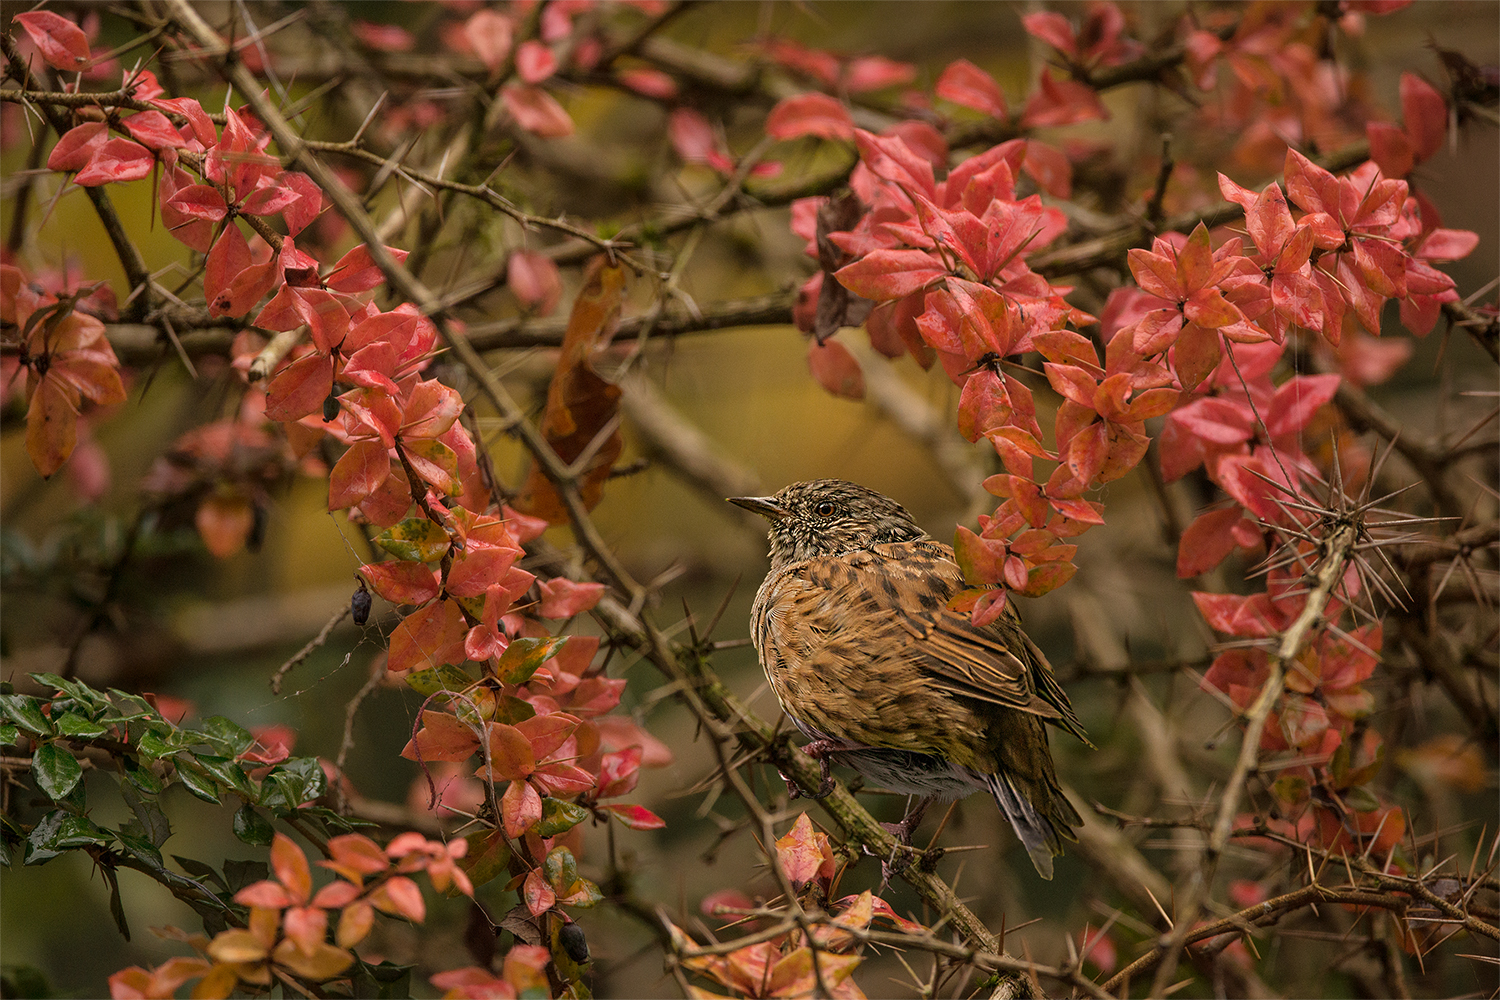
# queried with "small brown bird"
point(854, 631)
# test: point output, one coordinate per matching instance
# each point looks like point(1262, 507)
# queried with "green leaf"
point(229, 737)
point(152, 745)
point(141, 848)
point(80, 831)
point(227, 771)
point(242, 873)
point(9, 734)
point(292, 783)
point(415, 539)
point(386, 981)
point(143, 778)
point(56, 771)
point(1361, 799)
point(488, 856)
point(444, 678)
point(26, 712)
point(39, 843)
point(510, 710)
point(200, 785)
point(200, 870)
point(560, 870)
point(523, 657)
point(116, 904)
point(251, 827)
point(149, 820)
point(73, 724)
point(77, 690)
point(559, 816)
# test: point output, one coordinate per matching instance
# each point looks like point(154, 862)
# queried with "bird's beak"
point(764, 506)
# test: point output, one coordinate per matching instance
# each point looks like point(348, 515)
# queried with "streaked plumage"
point(853, 630)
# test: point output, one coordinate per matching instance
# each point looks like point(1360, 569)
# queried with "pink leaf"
point(534, 280)
point(535, 61)
point(78, 146)
point(62, 43)
point(562, 598)
point(1425, 114)
point(836, 369)
point(118, 160)
point(535, 111)
point(810, 114)
point(965, 84)
point(489, 32)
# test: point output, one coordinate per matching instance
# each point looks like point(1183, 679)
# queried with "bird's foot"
point(818, 750)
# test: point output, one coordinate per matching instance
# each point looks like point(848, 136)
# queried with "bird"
point(853, 628)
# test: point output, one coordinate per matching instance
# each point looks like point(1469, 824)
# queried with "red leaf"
point(965, 84)
point(649, 82)
point(118, 160)
point(199, 201)
point(890, 273)
point(1062, 102)
point(224, 522)
point(520, 809)
point(62, 43)
point(1390, 148)
point(619, 771)
point(230, 256)
point(537, 894)
point(1425, 114)
point(562, 598)
point(198, 120)
point(431, 410)
point(1297, 400)
point(428, 637)
point(1207, 541)
point(868, 73)
point(442, 737)
point(1050, 168)
point(300, 388)
point(153, 130)
point(401, 582)
point(636, 817)
point(836, 369)
point(361, 471)
point(810, 114)
point(1052, 28)
point(536, 111)
point(78, 146)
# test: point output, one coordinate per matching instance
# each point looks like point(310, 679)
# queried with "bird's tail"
point(1026, 789)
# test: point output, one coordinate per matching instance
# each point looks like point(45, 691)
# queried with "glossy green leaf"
point(488, 856)
point(26, 712)
point(230, 738)
point(227, 771)
point(56, 771)
point(73, 724)
point(251, 827)
point(200, 785)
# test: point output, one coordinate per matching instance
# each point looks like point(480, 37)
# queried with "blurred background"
point(189, 626)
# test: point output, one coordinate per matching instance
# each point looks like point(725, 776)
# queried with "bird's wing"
point(997, 663)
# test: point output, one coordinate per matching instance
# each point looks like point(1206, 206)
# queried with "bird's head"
point(827, 517)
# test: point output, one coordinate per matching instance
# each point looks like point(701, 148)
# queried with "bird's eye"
point(824, 509)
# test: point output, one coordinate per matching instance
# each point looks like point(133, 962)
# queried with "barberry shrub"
point(415, 279)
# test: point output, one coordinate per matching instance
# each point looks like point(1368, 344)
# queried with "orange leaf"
point(224, 522)
point(580, 403)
